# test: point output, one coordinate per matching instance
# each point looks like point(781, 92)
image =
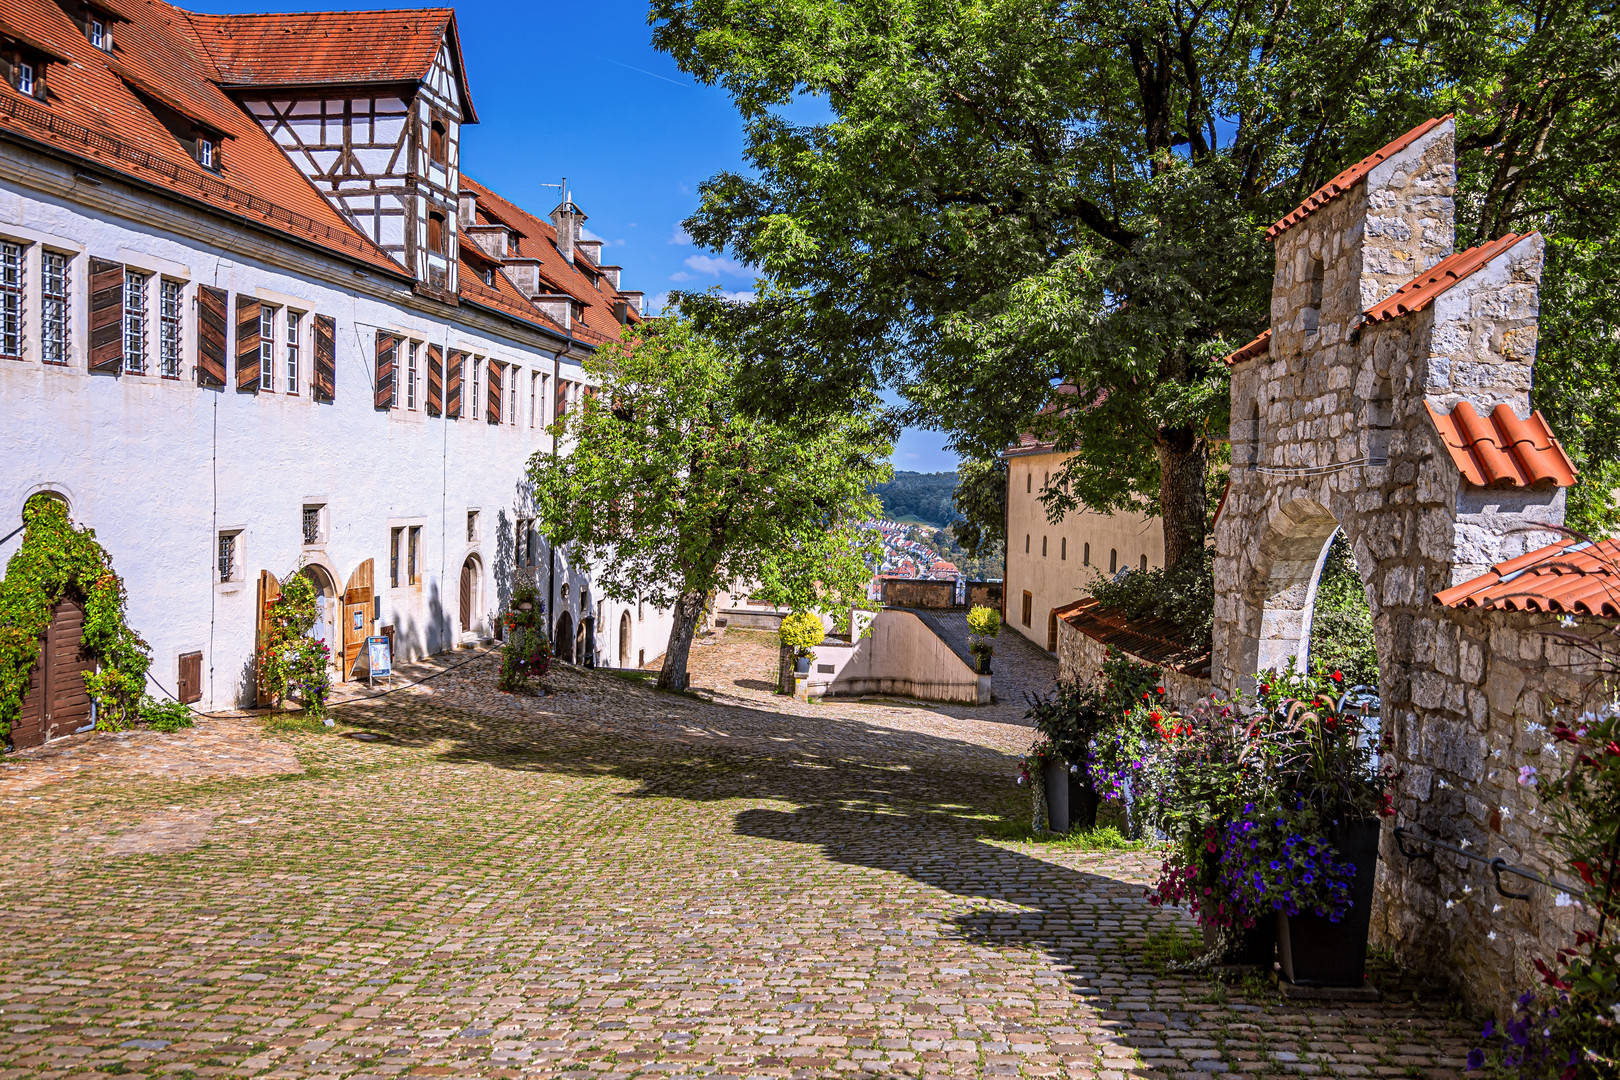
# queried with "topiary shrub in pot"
point(801, 631)
point(984, 623)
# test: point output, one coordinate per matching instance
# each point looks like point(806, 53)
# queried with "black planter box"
point(1256, 948)
point(1315, 951)
point(1070, 802)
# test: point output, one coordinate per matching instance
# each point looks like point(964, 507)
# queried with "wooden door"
point(269, 593)
point(57, 703)
point(466, 595)
point(624, 640)
point(358, 600)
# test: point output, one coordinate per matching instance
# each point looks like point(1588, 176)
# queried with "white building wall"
point(160, 467)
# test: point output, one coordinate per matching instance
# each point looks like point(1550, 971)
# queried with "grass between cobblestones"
point(608, 882)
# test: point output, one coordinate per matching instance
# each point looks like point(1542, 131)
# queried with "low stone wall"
point(750, 619)
point(919, 593)
point(899, 655)
point(984, 594)
point(1081, 656)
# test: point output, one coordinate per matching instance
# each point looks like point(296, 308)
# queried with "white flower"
point(1532, 727)
point(1465, 842)
point(1494, 910)
point(1549, 748)
point(1491, 935)
point(1527, 778)
point(1467, 889)
point(1450, 904)
point(1615, 1008)
point(1563, 900)
point(1505, 811)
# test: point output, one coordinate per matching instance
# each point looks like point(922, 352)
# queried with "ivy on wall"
point(58, 559)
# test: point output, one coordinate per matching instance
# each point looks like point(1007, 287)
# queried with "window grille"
point(227, 555)
point(54, 309)
point(169, 329)
point(477, 408)
point(267, 347)
point(415, 554)
point(292, 351)
point(410, 377)
point(393, 558)
point(205, 152)
point(135, 322)
point(11, 301)
point(312, 524)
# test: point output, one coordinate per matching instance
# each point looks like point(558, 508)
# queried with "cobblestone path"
point(605, 882)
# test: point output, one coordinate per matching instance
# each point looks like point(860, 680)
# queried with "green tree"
point(981, 499)
point(673, 490)
point(1011, 196)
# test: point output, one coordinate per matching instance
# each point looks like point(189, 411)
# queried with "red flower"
point(1585, 871)
point(1613, 748)
point(1338, 676)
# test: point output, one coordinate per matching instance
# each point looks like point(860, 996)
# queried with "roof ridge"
point(1421, 291)
point(1347, 178)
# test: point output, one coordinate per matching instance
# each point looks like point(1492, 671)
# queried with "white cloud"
point(745, 296)
point(680, 236)
point(657, 303)
point(717, 266)
point(680, 275)
point(604, 241)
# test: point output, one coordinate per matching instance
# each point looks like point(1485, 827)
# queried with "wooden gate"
point(466, 595)
point(358, 601)
point(269, 593)
point(57, 703)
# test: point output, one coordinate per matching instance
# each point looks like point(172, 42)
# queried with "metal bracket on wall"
point(1498, 865)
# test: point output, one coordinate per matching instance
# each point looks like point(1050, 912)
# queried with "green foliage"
point(1341, 623)
point(526, 651)
point(674, 489)
point(290, 661)
point(165, 715)
point(984, 621)
point(924, 496)
point(58, 559)
point(801, 631)
point(981, 502)
point(1183, 594)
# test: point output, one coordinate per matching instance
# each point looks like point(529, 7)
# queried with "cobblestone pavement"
point(607, 881)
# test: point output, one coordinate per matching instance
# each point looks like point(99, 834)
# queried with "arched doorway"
point(1292, 553)
point(624, 640)
point(57, 703)
point(565, 637)
point(327, 610)
point(1340, 628)
point(471, 583)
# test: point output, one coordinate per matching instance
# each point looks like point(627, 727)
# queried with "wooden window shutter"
point(435, 393)
point(387, 344)
point(213, 335)
point(247, 345)
point(325, 358)
point(493, 413)
point(452, 385)
point(190, 688)
point(106, 316)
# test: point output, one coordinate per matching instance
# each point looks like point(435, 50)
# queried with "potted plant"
point(984, 623)
point(525, 652)
point(801, 632)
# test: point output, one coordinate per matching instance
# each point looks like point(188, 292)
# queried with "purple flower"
point(1490, 1029)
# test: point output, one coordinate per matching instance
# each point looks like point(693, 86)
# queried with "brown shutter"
point(452, 385)
point(386, 345)
point(106, 316)
point(493, 413)
point(435, 395)
point(213, 306)
point(190, 688)
point(325, 358)
point(247, 345)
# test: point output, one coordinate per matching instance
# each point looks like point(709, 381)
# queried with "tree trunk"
point(785, 679)
point(688, 612)
point(1183, 460)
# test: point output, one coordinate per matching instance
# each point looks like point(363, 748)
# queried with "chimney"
point(612, 274)
point(467, 209)
point(635, 299)
point(592, 250)
point(568, 220)
point(559, 308)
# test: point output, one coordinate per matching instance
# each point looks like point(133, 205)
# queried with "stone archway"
point(624, 640)
point(472, 580)
point(1284, 583)
point(565, 637)
point(328, 605)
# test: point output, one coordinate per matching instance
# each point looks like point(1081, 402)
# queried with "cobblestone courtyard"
point(608, 881)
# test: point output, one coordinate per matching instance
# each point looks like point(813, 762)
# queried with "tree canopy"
point(1013, 196)
point(672, 490)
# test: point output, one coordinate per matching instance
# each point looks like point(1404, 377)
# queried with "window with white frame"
point(293, 343)
point(98, 34)
point(135, 321)
point(205, 151)
point(169, 328)
point(11, 300)
point(534, 399)
point(229, 556)
point(410, 374)
point(25, 79)
point(477, 410)
point(54, 279)
point(267, 347)
point(511, 389)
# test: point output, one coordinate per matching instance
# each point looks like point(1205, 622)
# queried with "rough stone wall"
point(1330, 431)
point(919, 593)
point(1080, 656)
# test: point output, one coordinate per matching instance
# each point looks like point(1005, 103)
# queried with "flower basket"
point(1257, 947)
point(801, 665)
point(1316, 951)
point(1070, 802)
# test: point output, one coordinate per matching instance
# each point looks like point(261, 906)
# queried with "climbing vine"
point(59, 559)
point(290, 660)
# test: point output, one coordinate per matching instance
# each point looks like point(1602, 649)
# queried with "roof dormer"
point(25, 62)
point(94, 21)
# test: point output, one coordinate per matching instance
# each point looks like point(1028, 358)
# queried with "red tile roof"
point(1153, 641)
point(1260, 346)
point(1573, 577)
point(1501, 450)
point(1350, 177)
point(316, 47)
point(1420, 292)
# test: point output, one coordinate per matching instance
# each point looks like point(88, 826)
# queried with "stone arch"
point(1282, 588)
point(471, 594)
point(624, 639)
point(565, 637)
point(329, 604)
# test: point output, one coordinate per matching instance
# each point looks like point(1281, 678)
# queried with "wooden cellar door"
point(269, 593)
point(57, 703)
point(357, 612)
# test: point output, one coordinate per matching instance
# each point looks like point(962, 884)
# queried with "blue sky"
point(576, 90)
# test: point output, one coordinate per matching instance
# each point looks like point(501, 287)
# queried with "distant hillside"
point(924, 497)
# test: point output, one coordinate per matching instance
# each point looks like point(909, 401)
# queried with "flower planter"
point(981, 662)
point(801, 665)
point(1315, 951)
point(1070, 802)
point(1257, 946)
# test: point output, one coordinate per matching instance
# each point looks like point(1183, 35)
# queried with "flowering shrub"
point(526, 652)
point(1274, 860)
point(802, 631)
point(290, 661)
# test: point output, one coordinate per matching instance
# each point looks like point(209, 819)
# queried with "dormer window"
point(205, 151)
point(99, 35)
point(25, 79)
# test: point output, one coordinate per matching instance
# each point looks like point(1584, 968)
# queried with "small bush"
point(165, 715)
point(984, 621)
point(1185, 595)
point(801, 632)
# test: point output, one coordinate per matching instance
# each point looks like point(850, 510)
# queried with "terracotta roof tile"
point(1570, 577)
point(1501, 450)
point(1420, 292)
point(1153, 641)
point(298, 49)
point(1260, 346)
point(1350, 177)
